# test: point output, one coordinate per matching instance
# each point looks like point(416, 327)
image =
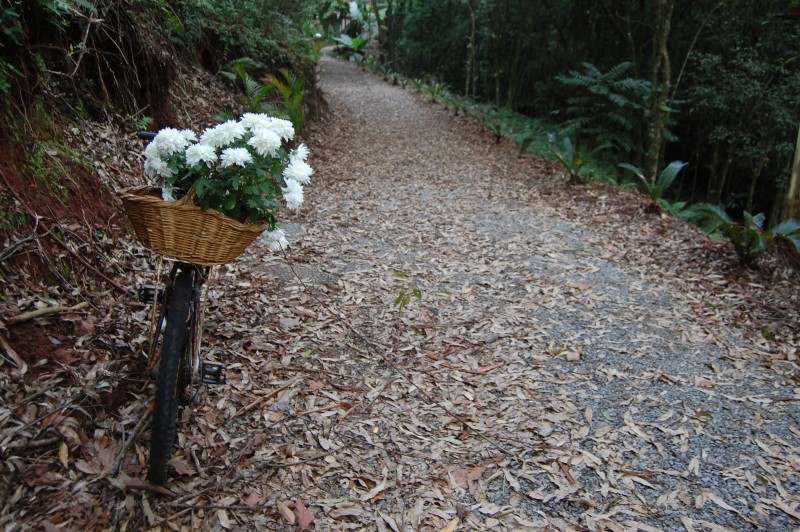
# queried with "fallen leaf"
point(374, 491)
point(63, 454)
point(285, 509)
point(253, 500)
point(148, 512)
point(346, 510)
point(288, 323)
point(303, 515)
point(451, 526)
point(182, 467)
point(490, 367)
point(464, 476)
point(224, 521)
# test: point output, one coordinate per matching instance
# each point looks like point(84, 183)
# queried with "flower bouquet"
point(228, 185)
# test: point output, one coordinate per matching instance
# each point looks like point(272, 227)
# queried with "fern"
point(254, 92)
point(290, 88)
point(292, 92)
point(607, 108)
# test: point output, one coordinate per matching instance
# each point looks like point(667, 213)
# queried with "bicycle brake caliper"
point(211, 373)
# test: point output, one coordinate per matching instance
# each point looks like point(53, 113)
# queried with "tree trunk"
point(659, 89)
point(791, 205)
point(473, 5)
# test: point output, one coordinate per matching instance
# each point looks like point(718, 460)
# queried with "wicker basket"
point(183, 231)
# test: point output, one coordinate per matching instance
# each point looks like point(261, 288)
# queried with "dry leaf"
point(303, 515)
point(451, 526)
point(224, 521)
point(285, 508)
point(253, 499)
point(346, 510)
point(374, 491)
point(148, 512)
point(182, 467)
point(63, 454)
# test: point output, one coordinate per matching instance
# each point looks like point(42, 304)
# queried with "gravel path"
point(457, 339)
point(553, 385)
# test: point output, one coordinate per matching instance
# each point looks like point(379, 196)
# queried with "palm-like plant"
point(570, 157)
point(656, 188)
point(353, 48)
point(749, 238)
point(292, 92)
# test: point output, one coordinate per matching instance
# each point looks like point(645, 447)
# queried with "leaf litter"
point(574, 363)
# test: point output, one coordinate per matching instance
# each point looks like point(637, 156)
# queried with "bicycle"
point(174, 355)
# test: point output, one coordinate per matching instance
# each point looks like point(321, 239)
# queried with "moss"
point(11, 220)
point(50, 166)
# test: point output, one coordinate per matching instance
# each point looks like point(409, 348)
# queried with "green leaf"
point(669, 174)
point(635, 170)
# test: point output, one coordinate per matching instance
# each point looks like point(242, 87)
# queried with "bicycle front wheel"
point(165, 406)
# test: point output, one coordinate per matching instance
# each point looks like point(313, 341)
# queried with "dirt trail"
point(543, 380)
point(575, 361)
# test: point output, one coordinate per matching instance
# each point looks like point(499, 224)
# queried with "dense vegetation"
point(69, 67)
point(122, 55)
point(713, 83)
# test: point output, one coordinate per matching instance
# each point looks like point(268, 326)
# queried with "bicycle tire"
point(165, 405)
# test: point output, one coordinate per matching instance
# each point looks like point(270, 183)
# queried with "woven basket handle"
point(188, 199)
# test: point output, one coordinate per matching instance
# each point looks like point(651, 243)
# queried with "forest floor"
point(575, 361)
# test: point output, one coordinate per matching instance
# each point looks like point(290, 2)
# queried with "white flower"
point(253, 121)
point(275, 240)
point(298, 171)
point(169, 141)
point(155, 167)
point(223, 134)
point(231, 156)
point(189, 135)
point(248, 161)
point(151, 150)
point(292, 194)
point(200, 153)
point(151, 165)
point(167, 193)
point(299, 153)
point(265, 142)
point(256, 122)
point(317, 35)
point(283, 128)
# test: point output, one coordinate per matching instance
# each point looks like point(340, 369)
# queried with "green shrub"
point(749, 238)
point(607, 107)
point(292, 93)
point(351, 48)
point(655, 189)
point(290, 88)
